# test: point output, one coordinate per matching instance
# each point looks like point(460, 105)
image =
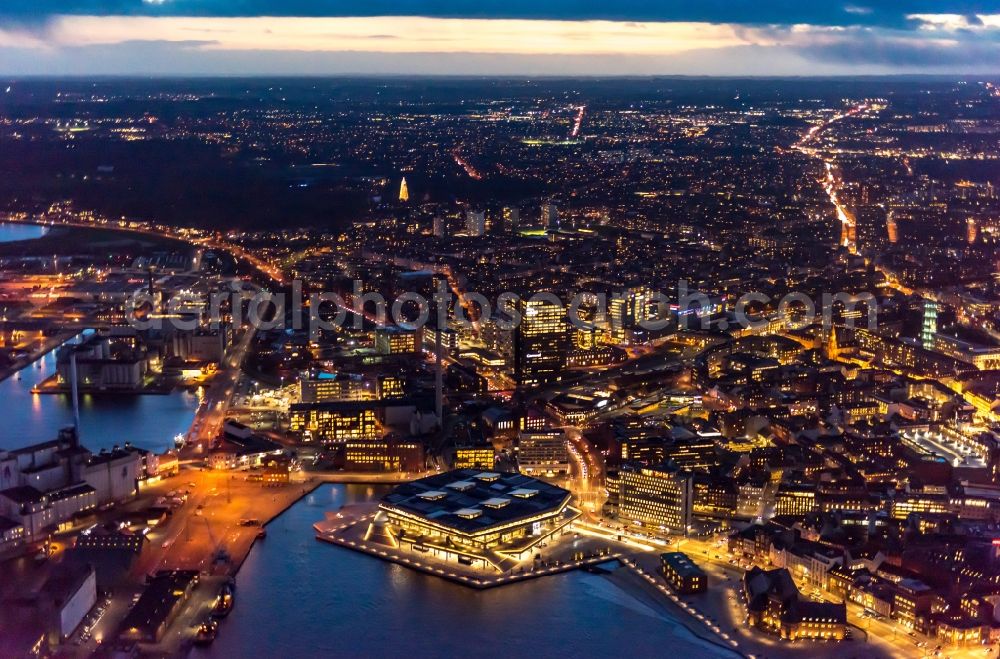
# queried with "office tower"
point(540, 343)
point(404, 192)
point(475, 223)
point(627, 310)
point(550, 217)
point(511, 218)
point(657, 497)
point(929, 325)
point(439, 226)
point(970, 230)
point(891, 228)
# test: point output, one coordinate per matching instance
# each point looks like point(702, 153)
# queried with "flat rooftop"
point(471, 501)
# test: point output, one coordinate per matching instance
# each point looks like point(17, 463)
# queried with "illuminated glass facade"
point(657, 497)
point(541, 343)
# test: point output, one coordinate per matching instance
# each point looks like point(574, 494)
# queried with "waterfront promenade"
point(206, 532)
point(349, 528)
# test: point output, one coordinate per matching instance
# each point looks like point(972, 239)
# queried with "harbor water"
point(9, 232)
point(299, 597)
point(147, 421)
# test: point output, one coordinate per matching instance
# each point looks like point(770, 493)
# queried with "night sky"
point(493, 37)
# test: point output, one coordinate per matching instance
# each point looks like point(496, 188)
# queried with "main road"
point(211, 414)
point(831, 183)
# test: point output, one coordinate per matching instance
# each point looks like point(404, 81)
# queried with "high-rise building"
point(511, 218)
point(475, 223)
point(438, 226)
point(970, 230)
point(627, 310)
point(404, 192)
point(540, 343)
point(550, 216)
point(929, 328)
point(891, 228)
point(658, 497)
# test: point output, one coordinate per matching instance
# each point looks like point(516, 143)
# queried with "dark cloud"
point(923, 55)
point(876, 13)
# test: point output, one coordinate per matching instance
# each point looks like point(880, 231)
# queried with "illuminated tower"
point(890, 225)
point(832, 346)
point(404, 192)
point(550, 217)
point(930, 324)
point(970, 230)
point(540, 343)
point(511, 218)
point(475, 223)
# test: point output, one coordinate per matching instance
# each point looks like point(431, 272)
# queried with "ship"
point(206, 632)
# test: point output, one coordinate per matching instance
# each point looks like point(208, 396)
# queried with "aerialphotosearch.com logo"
point(329, 311)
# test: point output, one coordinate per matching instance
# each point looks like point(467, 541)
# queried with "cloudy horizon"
point(441, 37)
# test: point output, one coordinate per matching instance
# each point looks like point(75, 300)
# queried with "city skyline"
point(512, 329)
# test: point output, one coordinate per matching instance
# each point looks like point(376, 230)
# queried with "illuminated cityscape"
point(359, 334)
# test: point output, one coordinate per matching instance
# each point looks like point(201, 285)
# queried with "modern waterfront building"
point(476, 518)
point(682, 573)
point(658, 497)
